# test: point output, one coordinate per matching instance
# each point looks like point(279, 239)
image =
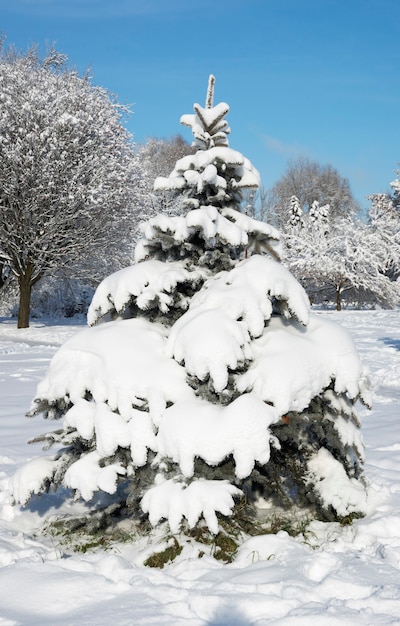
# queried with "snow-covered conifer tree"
point(319, 215)
point(296, 216)
point(204, 389)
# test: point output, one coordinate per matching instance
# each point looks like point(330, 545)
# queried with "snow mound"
point(346, 495)
point(214, 336)
point(147, 284)
point(213, 432)
point(116, 364)
point(292, 364)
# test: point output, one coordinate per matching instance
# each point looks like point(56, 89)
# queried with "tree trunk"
point(25, 289)
point(338, 299)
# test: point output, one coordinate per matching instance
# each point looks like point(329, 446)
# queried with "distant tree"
point(310, 181)
point(320, 215)
point(339, 257)
point(254, 203)
point(384, 220)
point(296, 215)
point(157, 158)
point(395, 185)
point(68, 171)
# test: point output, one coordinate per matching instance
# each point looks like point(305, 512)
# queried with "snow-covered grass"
point(342, 575)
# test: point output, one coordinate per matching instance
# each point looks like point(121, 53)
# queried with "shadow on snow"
point(391, 343)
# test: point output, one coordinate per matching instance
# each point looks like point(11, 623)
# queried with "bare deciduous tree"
point(310, 181)
point(158, 157)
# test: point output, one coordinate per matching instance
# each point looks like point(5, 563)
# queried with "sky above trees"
point(311, 78)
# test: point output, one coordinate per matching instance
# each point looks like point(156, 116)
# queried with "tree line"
point(336, 251)
point(73, 185)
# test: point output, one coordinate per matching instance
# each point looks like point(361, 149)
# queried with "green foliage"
point(349, 519)
point(283, 480)
point(99, 530)
point(159, 559)
point(112, 527)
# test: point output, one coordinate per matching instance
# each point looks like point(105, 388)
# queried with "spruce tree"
point(204, 390)
point(296, 215)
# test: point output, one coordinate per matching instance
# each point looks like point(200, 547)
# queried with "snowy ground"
point(349, 576)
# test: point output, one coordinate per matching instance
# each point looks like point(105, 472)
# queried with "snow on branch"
point(261, 236)
point(32, 477)
point(243, 173)
point(213, 337)
point(209, 343)
point(262, 283)
point(227, 227)
point(208, 125)
point(210, 92)
point(88, 476)
point(148, 284)
point(175, 501)
point(117, 365)
point(240, 428)
point(292, 364)
point(335, 488)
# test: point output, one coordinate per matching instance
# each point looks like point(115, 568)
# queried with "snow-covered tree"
point(384, 220)
point(310, 181)
point(319, 215)
point(204, 391)
point(68, 172)
point(395, 185)
point(343, 257)
point(254, 203)
point(158, 156)
point(296, 215)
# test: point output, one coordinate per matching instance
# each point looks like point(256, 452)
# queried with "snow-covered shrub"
point(203, 380)
point(54, 297)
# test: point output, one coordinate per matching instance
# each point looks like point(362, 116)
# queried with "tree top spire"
point(208, 125)
point(210, 92)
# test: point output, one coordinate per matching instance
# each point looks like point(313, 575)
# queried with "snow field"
point(343, 575)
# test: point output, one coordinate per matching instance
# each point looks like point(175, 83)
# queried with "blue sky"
point(319, 78)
